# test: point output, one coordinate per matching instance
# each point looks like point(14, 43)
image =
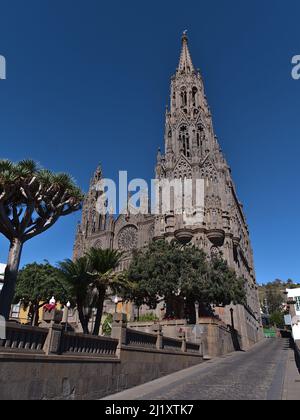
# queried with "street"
point(259, 374)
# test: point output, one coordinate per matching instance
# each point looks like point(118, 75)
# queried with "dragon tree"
point(32, 200)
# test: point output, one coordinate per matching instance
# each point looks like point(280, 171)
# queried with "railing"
point(56, 341)
point(172, 344)
point(192, 347)
point(140, 339)
point(80, 344)
point(22, 338)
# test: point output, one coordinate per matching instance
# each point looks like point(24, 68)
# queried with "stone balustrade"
point(193, 347)
point(140, 339)
point(80, 344)
point(146, 340)
point(51, 364)
point(23, 338)
point(56, 341)
point(172, 344)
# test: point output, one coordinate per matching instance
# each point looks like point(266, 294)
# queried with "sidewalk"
point(291, 388)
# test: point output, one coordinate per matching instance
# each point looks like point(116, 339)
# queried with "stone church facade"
point(192, 152)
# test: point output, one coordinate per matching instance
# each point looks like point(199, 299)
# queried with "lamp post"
point(116, 301)
point(66, 315)
point(232, 319)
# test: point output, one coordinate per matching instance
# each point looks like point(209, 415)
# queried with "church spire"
point(185, 63)
point(97, 176)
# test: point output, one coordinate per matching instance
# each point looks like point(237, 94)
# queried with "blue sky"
point(88, 81)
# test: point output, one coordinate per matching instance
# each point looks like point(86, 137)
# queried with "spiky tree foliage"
point(31, 201)
point(36, 284)
point(102, 263)
point(76, 275)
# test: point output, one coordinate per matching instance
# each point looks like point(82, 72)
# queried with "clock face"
point(128, 238)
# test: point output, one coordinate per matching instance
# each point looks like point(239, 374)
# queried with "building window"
point(183, 98)
point(15, 311)
point(297, 303)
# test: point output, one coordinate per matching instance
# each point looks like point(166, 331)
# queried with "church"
point(191, 152)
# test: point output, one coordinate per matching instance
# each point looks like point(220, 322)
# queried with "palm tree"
point(76, 274)
point(103, 264)
point(31, 201)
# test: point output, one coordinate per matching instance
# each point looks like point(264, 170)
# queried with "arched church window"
point(194, 96)
point(184, 138)
point(183, 97)
point(200, 135)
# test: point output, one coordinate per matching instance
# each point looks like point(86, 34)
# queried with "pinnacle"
point(185, 63)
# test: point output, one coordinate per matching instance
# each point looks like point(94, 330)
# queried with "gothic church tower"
point(192, 152)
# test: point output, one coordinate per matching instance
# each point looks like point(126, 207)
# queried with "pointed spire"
point(159, 156)
point(185, 63)
point(97, 176)
point(98, 173)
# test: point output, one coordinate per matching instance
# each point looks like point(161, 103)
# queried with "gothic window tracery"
point(200, 135)
point(183, 97)
point(194, 96)
point(183, 170)
point(184, 139)
point(215, 252)
point(208, 171)
point(128, 238)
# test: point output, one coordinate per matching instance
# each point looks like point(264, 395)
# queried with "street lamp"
point(66, 315)
point(116, 301)
point(232, 319)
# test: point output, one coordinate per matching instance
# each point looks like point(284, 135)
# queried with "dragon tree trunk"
point(10, 277)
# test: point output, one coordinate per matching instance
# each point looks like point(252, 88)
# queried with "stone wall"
point(297, 353)
point(214, 336)
point(29, 377)
point(40, 365)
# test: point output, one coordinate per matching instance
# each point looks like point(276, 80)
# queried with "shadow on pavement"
point(291, 345)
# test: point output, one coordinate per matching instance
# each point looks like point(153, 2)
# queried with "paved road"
point(255, 375)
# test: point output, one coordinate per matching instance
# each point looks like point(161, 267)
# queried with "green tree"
point(76, 275)
point(277, 319)
point(182, 276)
point(31, 201)
point(36, 284)
point(154, 275)
point(102, 265)
point(224, 287)
point(107, 325)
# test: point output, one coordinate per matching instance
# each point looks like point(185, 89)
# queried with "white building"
point(294, 295)
point(2, 270)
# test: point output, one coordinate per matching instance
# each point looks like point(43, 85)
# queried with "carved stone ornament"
point(128, 238)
